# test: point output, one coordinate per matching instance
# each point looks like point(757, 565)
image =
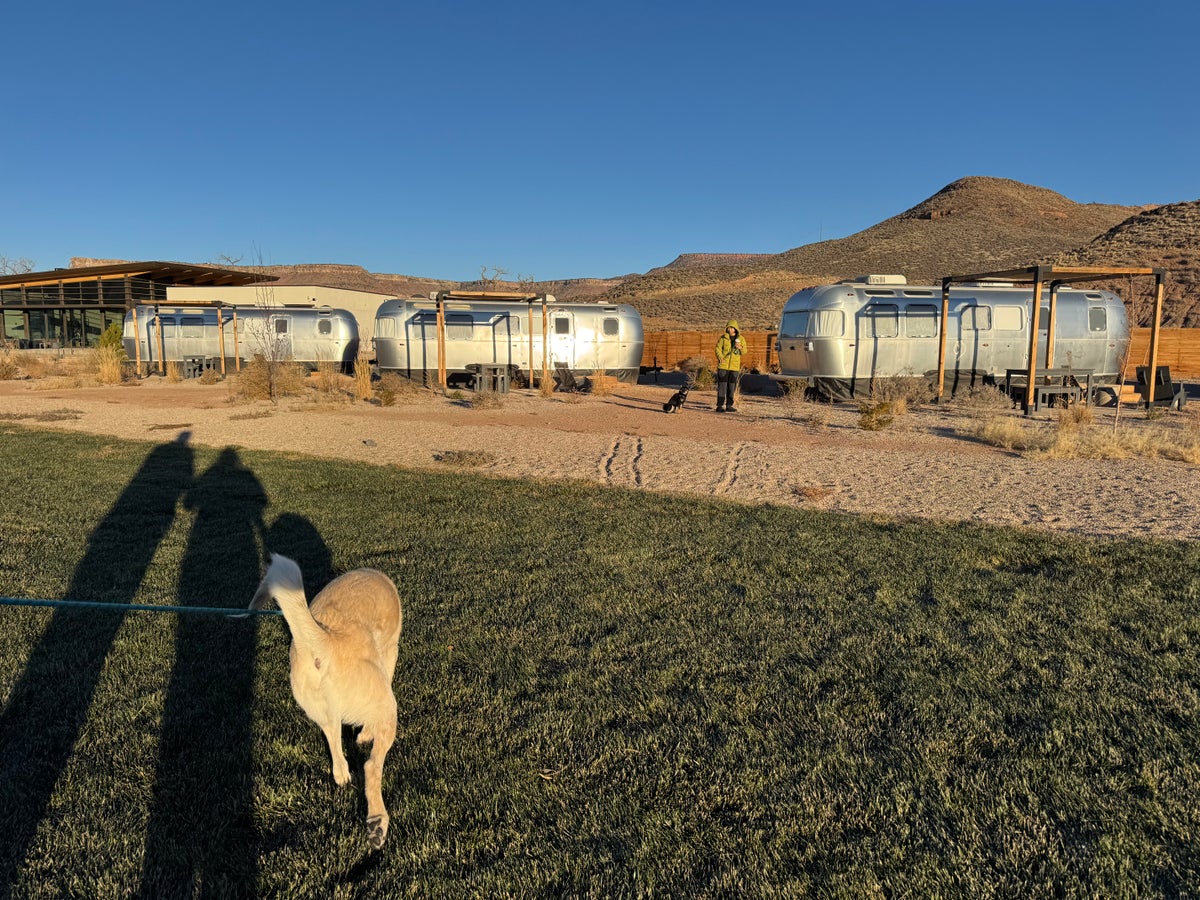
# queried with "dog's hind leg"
point(333, 735)
point(384, 735)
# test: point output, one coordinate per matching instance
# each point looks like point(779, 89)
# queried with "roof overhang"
point(165, 272)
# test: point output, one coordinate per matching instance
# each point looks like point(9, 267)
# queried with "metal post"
point(1152, 374)
point(1051, 324)
point(1033, 339)
point(529, 309)
point(137, 344)
point(941, 383)
point(441, 341)
point(221, 337)
point(162, 366)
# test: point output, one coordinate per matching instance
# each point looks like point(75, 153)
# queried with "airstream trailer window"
point(1097, 319)
point(324, 326)
point(828, 323)
point(281, 326)
point(977, 318)
point(794, 324)
point(192, 326)
point(1008, 318)
point(612, 327)
point(385, 327)
point(1044, 319)
point(883, 319)
point(562, 326)
point(459, 326)
point(921, 320)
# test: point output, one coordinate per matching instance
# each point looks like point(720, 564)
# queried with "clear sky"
point(563, 139)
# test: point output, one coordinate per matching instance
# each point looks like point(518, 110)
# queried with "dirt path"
point(766, 453)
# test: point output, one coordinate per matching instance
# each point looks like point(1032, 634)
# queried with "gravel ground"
point(768, 452)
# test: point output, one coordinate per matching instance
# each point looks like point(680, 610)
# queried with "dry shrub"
point(983, 398)
point(813, 492)
point(57, 383)
point(174, 370)
point(1009, 432)
point(1074, 416)
point(263, 380)
point(37, 365)
point(903, 392)
point(698, 370)
point(875, 415)
point(210, 376)
point(546, 388)
point(393, 387)
point(486, 400)
point(465, 457)
point(362, 379)
point(9, 369)
point(327, 377)
point(110, 365)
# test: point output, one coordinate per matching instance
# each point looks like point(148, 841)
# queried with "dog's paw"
point(341, 773)
point(377, 827)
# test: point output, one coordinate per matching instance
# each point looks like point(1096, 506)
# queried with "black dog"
point(677, 399)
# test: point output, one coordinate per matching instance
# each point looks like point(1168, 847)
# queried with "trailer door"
point(281, 336)
point(562, 339)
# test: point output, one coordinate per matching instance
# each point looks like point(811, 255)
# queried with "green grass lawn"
point(601, 692)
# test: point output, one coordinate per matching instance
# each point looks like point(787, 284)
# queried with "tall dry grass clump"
point(174, 370)
point(328, 377)
point(9, 369)
point(903, 392)
point(362, 379)
point(392, 387)
point(602, 384)
point(110, 365)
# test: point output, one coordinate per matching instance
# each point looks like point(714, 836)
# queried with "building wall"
point(361, 304)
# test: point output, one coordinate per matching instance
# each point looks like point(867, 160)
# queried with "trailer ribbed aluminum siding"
point(842, 337)
point(308, 336)
point(584, 338)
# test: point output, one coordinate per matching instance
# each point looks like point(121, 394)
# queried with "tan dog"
point(343, 658)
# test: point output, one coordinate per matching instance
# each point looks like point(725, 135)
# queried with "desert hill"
point(1167, 237)
point(972, 225)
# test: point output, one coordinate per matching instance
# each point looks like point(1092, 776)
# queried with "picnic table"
point(1064, 381)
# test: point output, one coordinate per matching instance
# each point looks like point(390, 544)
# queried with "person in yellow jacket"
point(730, 347)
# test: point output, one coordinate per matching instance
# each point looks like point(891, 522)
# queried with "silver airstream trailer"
point(843, 337)
point(304, 334)
point(496, 329)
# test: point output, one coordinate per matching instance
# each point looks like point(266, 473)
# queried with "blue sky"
point(565, 140)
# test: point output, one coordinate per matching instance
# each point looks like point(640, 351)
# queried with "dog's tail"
point(284, 582)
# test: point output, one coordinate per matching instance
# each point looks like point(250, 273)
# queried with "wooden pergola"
point(442, 297)
point(1054, 277)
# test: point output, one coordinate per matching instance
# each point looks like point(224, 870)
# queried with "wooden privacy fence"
point(668, 349)
point(1178, 348)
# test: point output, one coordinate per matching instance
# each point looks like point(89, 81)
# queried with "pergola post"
point(529, 310)
point(941, 368)
point(545, 341)
point(1034, 316)
point(1152, 374)
point(221, 337)
point(162, 366)
point(441, 341)
point(237, 353)
point(137, 344)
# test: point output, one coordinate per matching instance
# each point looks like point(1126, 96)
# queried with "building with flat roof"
point(72, 307)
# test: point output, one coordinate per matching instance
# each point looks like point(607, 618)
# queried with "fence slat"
point(1178, 348)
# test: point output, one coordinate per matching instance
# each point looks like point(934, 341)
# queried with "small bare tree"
point(273, 347)
point(18, 266)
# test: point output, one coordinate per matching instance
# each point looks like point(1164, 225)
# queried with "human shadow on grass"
point(201, 829)
point(49, 704)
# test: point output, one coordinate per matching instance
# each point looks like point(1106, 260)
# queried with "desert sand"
point(919, 468)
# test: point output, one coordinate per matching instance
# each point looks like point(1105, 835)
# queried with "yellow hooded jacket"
point(730, 349)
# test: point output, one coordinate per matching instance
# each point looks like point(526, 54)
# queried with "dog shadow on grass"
point(49, 704)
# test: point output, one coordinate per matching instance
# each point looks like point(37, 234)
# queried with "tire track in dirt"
point(622, 463)
point(729, 474)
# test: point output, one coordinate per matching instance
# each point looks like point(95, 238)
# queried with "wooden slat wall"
point(669, 348)
point(1178, 348)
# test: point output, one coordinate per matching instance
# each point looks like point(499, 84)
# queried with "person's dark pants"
point(726, 383)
